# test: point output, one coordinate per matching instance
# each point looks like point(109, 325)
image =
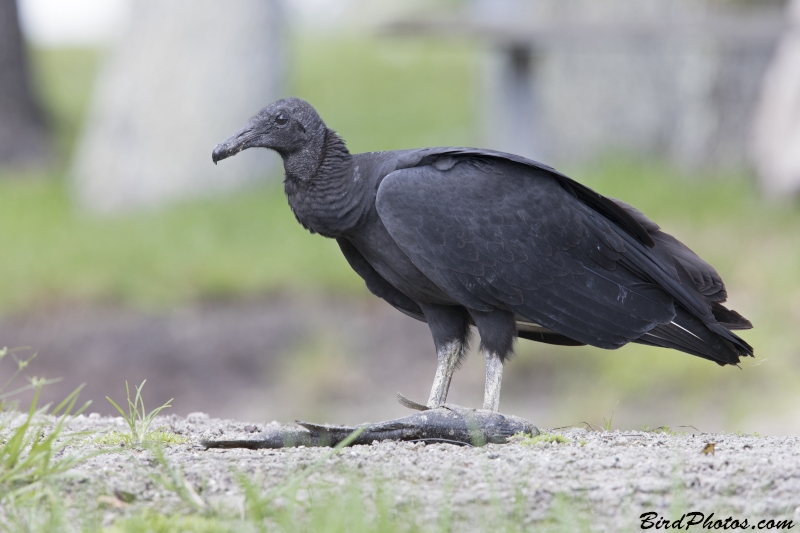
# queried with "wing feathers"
point(531, 241)
point(538, 255)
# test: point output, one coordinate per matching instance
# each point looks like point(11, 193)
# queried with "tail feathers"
point(714, 342)
point(730, 318)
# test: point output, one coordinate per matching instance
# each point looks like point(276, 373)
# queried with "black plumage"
point(461, 236)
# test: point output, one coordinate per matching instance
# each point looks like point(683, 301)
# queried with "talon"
point(411, 404)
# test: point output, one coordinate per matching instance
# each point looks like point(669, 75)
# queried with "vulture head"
point(286, 126)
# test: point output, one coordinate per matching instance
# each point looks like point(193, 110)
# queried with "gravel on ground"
point(606, 479)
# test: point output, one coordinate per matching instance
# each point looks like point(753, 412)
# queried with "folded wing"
point(494, 232)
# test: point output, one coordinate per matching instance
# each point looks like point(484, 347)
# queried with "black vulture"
point(461, 237)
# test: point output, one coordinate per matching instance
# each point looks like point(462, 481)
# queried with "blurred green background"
point(383, 94)
point(384, 97)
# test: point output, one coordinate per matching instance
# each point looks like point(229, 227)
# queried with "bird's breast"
point(380, 250)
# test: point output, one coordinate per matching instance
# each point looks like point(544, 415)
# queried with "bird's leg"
point(494, 377)
point(448, 356)
point(450, 330)
point(497, 329)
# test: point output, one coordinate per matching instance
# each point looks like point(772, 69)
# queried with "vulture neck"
point(320, 186)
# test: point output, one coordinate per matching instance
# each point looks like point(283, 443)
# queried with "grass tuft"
point(607, 423)
point(541, 439)
point(173, 480)
point(118, 438)
point(34, 455)
point(138, 419)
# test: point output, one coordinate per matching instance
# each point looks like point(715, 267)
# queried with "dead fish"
point(449, 423)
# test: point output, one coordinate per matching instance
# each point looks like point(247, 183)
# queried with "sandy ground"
point(603, 480)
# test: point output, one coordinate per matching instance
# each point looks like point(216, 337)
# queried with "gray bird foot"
point(449, 423)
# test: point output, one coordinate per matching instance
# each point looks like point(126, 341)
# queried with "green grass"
point(119, 438)
point(350, 511)
point(36, 452)
point(544, 438)
point(664, 430)
point(607, 423)
point(29, 453)
point(390, 94)
point(242, 245)
point(137, 417)
point(139, 421)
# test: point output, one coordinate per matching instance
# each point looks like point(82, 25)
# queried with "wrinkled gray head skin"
point(285, 126)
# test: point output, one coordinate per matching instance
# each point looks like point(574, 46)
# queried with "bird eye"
point(281, 119)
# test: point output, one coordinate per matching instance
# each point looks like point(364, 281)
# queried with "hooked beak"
point(241, 140)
